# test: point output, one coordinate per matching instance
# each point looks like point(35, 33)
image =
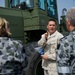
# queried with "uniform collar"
point(73, 31)
point(53, 35)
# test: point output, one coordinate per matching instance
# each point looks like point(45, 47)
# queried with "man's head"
point(70, 19)
point(51, 26)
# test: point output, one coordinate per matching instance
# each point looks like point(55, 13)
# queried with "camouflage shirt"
point(11, 56)
point(65, 54)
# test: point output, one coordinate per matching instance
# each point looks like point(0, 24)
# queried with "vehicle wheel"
point(34, 60)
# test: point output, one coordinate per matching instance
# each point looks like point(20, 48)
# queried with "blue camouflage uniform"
point(65, 55)
point(11, 56)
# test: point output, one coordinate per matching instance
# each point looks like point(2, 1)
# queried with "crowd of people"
point(59, 50)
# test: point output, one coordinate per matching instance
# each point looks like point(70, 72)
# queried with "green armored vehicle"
point(27, 21)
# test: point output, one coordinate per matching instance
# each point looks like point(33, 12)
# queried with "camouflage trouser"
point(48, 72)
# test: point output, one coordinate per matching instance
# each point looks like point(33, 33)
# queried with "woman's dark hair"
point(52, 20)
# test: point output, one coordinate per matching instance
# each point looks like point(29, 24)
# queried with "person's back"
point(71, 39)
point(11, 52)
point(65, 52)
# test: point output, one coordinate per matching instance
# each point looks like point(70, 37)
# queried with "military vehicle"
point(27, 21)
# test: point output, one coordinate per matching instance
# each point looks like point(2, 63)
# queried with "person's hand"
point(46, 35)
point(44, 56)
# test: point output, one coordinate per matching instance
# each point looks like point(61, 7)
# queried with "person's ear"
point(68, 22)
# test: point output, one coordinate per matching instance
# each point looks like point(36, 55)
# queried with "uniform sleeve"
point(19, 54)
point(42, 40)
point(52, 56)
point(59, 37)
point(62, 58)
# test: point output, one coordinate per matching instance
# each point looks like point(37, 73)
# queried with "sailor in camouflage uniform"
point(11, 56)
point(65, 52)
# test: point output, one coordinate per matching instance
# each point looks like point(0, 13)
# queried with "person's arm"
point(62, 58)
point(43, 39)
point(50, 57)
point(52, 52)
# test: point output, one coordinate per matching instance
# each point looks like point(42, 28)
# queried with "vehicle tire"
point(34, 60)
